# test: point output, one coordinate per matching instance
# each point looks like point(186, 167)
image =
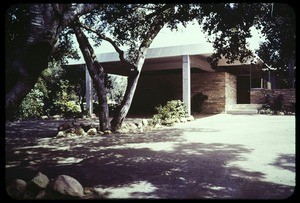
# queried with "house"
point(182, 72)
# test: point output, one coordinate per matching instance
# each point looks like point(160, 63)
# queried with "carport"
point(183, 57)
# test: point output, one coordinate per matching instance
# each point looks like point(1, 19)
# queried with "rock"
point(17, 188)
point(41, 195)
point(145, 122)
point(40, 181)
point(86, 127)
point(70, 130)
point(66, 125)
point(92, 131)
point(66, 185)
point(183, 120)
point(44, 117)
point(190, 118)
point(79, 131)
point(132, 127)
point(107, 132)
point(61, 134)
point(139, 125)
point(56, 117)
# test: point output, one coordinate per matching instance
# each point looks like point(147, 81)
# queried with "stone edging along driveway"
point(220, 156)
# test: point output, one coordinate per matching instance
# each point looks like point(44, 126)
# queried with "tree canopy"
point(39, 33)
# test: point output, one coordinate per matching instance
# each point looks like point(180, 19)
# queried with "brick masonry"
point(219, 87)
point(257, 95)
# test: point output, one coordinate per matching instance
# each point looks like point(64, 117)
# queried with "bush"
point(276, 106)
point(32, 105)
point(69, 109)
point(172, 112)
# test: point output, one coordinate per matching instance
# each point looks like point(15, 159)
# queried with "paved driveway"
point(220, 156)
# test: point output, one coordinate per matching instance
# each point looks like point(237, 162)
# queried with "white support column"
point(186, 82)
point(88, 92)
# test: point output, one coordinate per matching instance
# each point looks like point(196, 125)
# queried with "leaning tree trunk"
point(118, 118)
point(132, 81)
point(25, 63)
point(133, 78)
point(97, 74)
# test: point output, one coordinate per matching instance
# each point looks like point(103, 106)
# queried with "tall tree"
point(279, 49)
point(32, 32)
point(228, 26)
point(97, 73)
point(137, 28)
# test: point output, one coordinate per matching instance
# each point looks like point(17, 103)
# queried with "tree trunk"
point(119, 117)
point(25, 64)
point(97, 74)
point(132, 82)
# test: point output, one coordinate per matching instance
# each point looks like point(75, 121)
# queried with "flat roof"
point(163, 58)
point(159, 52)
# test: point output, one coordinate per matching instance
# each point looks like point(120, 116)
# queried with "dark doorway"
point(243, 89)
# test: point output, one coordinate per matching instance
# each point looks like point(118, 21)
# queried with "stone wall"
point(258, 95)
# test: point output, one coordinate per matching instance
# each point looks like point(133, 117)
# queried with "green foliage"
point(116, 90)
point(65, 100)
point(275, 106)
point(32, 105)
point(69, 109)
point(172, 112)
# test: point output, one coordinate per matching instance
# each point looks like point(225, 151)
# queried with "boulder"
point(86, 127)
point(41, 195)
point(44, 117)
point(107, 132)
point(61, 134)
point(190, 118)
point(92, 131)
point(145, 122)
point(17, 188)
point(183, 120)
point(40, 181)
point(66, 125)
point(66, 185)
point(79, 131)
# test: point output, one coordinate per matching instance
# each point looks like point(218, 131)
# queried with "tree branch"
point(112, 42)
point(159, 11)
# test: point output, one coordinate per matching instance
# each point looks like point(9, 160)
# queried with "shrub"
point(273, 107)
point(69, 109)
point(32, 105)
point(172, 112)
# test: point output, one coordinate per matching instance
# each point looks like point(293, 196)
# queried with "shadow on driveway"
point(127, 166)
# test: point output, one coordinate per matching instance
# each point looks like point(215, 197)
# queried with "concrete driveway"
point(220, 156)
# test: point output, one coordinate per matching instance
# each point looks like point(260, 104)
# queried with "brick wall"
point(212, 85)
point(258, 95)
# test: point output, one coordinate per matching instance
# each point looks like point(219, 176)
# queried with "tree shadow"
point(157, 164)
point(285, 161)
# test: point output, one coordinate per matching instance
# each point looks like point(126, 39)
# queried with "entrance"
point(243, 89)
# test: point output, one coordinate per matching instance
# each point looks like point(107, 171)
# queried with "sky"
point(191, 34)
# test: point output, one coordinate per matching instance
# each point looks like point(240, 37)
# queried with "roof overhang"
point(163, 58)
